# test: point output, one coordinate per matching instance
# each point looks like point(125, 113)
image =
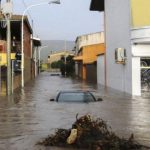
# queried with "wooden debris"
point(92, 134)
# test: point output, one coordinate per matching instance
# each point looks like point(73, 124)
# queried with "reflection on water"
point(28, 115)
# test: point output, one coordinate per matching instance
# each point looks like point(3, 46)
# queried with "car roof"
point(74, 91)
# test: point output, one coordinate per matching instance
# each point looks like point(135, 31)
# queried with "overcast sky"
point(66, 21)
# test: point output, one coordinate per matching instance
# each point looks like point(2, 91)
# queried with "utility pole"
point(7, 12)
point(0, 76)
point(65, 58)
point(8, 55)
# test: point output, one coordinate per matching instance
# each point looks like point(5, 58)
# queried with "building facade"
point(127, 28)
point(16, 51)
point(87, 48)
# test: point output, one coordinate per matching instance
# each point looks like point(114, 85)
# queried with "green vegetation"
point(67, 66)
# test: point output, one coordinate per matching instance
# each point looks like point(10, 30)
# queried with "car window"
point(75, 97)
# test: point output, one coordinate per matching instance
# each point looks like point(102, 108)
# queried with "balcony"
point(140, 35)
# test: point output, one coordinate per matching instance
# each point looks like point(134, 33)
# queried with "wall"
point(17, 81)
point(27, 42)
point(117, 21)
point(27, 69)
point(91, 73)
point(27, 55)
point(100, 70)
point(141, 50)
point(89, 39)
point(90, 52)
point(80, 69)
point(140, 13)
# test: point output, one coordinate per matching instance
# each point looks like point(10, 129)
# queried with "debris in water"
point(92, 134)
point(73, 136)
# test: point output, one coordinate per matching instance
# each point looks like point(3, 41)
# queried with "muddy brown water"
point(28, 116)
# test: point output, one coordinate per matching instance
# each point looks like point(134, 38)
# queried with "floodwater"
point(28, 116)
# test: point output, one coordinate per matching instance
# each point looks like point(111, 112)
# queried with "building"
point(29, 46)
point(87, 48)
point(127, 36)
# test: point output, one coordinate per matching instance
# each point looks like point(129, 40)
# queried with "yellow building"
point(140, 13)
point(87, 58)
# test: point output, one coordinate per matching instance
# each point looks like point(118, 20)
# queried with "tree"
point(70, 65)
point(67, 67)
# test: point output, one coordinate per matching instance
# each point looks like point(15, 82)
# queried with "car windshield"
point(75, 97)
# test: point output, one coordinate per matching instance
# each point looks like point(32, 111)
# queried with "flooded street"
point(29, 116)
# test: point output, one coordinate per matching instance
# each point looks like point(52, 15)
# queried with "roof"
point(97, 5)
point(36, 41)
point(19, 18)
point(101, 54)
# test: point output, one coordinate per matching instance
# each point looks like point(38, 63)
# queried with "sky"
point(65, 21)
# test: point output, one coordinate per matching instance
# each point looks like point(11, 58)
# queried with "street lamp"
point(22, 38)
point(40, 57)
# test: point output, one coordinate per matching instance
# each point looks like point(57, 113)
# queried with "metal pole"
point(12, 75)
point(22, 53)
point(0, 76)
point(35, 63)
point(39, 64)
point(8, 56)
point(65, 58)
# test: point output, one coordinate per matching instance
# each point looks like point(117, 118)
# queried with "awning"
point(78, 58)
point(97, 5)
point(36, 41)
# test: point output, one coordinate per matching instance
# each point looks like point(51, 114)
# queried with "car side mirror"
point(99, 99)
point(52, 99)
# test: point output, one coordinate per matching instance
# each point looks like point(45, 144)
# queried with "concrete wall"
point(136, 76)
point(100, 70)
point(89, 39)
point(117, 21)
point(90, 52)
point(141, 50)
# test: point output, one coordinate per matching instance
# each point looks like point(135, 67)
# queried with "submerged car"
point(75, 96)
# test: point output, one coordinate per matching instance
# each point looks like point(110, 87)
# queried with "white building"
point(125, 28)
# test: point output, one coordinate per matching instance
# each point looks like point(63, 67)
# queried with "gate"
point(145, 74)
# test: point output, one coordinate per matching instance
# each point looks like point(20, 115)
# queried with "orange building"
point(87, 61)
